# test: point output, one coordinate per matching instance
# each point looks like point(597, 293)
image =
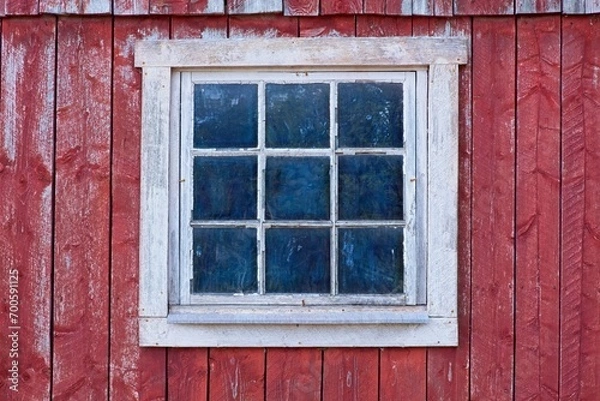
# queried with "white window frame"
point(431, 322)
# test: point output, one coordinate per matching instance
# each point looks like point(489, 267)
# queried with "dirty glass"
point(297, 260)
point(224, 260)
point(370, 260)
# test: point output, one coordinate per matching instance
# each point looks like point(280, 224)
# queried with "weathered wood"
point(135, 373)
point(493, 208)
point(236, 374)
point(350, 374)
point(422, 7)
point(293, 374)
point(199, 27)
point(381, 26)
point(448, 368)
point(443, 8)
point(186, 7)
point(187, 370)
point(580, 299)
point(26, 186)
point(337, 25)
point(374, 6)
point(341, 7)
point(300, 7)
point(402, 374)
point(301, 52)
point(254, 6)
point(131, 7)
point(75, 6)
point(82, 209)
point(574, 6)
point(538, 208)
point(267, 26)
point(18, 7)
point(398, 7)
point(483, 7)
point(538, 6)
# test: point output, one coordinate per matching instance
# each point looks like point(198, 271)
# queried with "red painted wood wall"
point(529, 244)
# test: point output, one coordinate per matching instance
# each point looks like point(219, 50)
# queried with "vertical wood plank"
point(199, 27)
point(18, 7)
point(493, 208)
point(131, 7)
point(403, 374)
point(26, 187)
point(422, 7)
point(448, 368)
point(188, 374)
point(380, 26)
point(341, 7)
point(398, 7)
point(293, 374)
point(185, 7)
point(537, 6)
point(267, 26)
point(483, 7)
point(82, 214)
point(443, 8)
point(374, 6)
point(338, 25)
point(580, 298)
point(574, 6)
point(75, 6)
point(254, 7)
point(538, 208)
point(236, 374)
point(351, 374)
point(301, 7)
point(135, 373)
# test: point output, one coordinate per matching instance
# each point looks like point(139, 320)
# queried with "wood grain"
point(82, 209)
point(18, 7)
point(135, 373)
point(300, 8)
point(538, 6)
point(26, 186)
point(337, 25)
point(381, 26)
point(254, 7)
point(402, 374)
point(131, 7)
point(187, 371)
point(483, 7)
point(493, 209)
point(580, 298)
point(236, 374)
point(341, 7)
point(198, 27)
point(293, 374)
point(268, 26)
point(186, 7)
point(538, 208)
point(374, 6)
point(350, 374)
point(75, 6)
point(398, 7)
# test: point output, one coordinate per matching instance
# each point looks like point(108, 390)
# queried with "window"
point(299, 192)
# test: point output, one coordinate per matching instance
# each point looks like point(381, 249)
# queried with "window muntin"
point(322, 169)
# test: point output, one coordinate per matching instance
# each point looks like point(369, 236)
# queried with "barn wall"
point(529, 241)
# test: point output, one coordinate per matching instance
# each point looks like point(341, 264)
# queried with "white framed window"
point(299, 192)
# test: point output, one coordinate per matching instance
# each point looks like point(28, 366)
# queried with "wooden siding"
point(529, 220)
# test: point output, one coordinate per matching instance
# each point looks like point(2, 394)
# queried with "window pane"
point(225, 116)
point(225, 188)
point(297, 188)
point(297, 260)
point(297, 115)
point(224, 260)
point(370, 187)
point(370, 260)
point(370, 115)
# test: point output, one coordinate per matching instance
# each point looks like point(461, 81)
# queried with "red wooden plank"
point(293, 374)
point(338, 25)
point(301, 7)
point(341, 7)
point(493, 208)
point(262, 26)
point(188, 373)
point(483, 7)
point(135, 373)
point(184, 7)
point(81, 264)
point(403, 374)
point(374, 25)
point(580, 298)
point(19, 7)
point(398, 7)
point(443, 8)
point(131, 7)
point(199, 27)
point(350, 374)
point(448, 368)
point(75, 6)
point(374, 6)
point(236, 374)
point(537, 6)
point(538, 208)
point(26, 183)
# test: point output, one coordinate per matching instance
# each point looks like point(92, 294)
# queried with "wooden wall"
point(529, 245)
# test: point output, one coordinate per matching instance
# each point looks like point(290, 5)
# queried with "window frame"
point(163, 323)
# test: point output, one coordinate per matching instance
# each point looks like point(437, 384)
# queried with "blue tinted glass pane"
point(371, 260)
point(297, 260)
point(225, 116)
point(225, 188)
point(297, 188)
point(370, 187)
point(370, 114)
point(297, 115)
point(224, 260)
